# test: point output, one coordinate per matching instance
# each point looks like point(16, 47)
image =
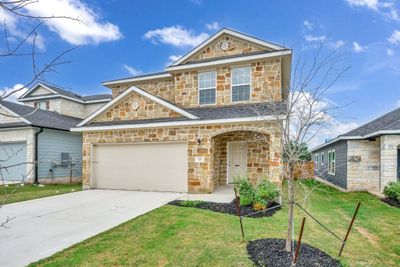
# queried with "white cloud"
point(176, 36)
point(13, 97)
point(132, 71)
point(212, 26)
point(311, 38)
point(308, 25)
point(386, 9)
point(389, 52)
point(338, 44)
point(358, 48)
point(395, 38)
point(90, 29)
point(172, 59)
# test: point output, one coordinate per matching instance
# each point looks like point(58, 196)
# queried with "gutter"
point(36, 178)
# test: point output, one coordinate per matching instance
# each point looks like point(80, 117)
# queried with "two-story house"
point(36, 144)
point(195, 126)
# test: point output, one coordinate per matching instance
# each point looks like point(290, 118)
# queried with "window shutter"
point(47, 105)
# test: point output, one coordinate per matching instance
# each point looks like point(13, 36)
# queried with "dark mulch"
point(230, 208)
point(271, 252)
point(392, 202)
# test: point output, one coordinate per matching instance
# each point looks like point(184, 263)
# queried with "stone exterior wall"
point(237, 47)
point(148, 109)
point(22, 135)
point(200, 174)
point(258, 155)
point(40, 91)
point(7, 117)
point(363, 165)
point(183, 89)
point(90, 108)
point(389, 145)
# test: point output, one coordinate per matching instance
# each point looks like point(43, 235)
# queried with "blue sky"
point(121, 38)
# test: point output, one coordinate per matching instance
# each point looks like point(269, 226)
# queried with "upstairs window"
point(42, 105)
point(331, 162)
point(241, 84)
point(207, 87)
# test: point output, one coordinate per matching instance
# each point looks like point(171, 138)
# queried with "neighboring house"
point(364, 159)
point(52, 98)
point(39, 131)
point(196, 125)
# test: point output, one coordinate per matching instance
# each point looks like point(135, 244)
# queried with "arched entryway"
point(241, 153)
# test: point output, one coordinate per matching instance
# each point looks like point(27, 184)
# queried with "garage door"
point(154, 167)
point(13, 154)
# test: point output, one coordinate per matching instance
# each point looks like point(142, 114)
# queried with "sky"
point(115, 39)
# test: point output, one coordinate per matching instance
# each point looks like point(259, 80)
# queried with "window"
point(42, 105)
point(207, 88)
point(331, 161)
point(241, 84)
point(322, 159)
point(316, 161)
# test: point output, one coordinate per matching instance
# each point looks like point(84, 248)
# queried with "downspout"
point(36, 179)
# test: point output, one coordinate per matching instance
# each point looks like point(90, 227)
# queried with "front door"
point(237, 160)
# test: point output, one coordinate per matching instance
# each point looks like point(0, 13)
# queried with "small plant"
point(266, 192)
point(246, 191)
point(190, 203)
point(392, 190)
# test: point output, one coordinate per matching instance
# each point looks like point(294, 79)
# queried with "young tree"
point(305, 114)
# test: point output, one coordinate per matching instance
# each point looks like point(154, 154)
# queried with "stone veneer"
point(237, 47)
point(201, 176)
point(182, 89)
point(363, 175)
point(389, 144)
point(148, 109)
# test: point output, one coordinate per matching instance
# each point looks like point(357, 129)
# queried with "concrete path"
point(221, 194)
point(44, 226)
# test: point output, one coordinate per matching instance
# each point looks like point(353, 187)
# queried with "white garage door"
point(155, 166)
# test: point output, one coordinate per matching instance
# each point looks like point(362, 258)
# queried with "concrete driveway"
point(44, 226)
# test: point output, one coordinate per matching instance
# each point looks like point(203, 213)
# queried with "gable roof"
point(37, 117)
point(143, 93)
point(237, 34)
point(388, 123)
point(59, 92)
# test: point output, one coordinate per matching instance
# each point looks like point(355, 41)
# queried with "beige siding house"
point(208, 118)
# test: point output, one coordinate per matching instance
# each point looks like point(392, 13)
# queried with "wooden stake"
point(348, 230)
point(296, 254)
point(238, 212)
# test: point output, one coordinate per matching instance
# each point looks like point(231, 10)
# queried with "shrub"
point(266, 192)
point(392, 190)
point(246, 191)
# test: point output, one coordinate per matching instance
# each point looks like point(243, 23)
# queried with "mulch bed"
point(230, 208)
point(271, 252)
point(391, 202)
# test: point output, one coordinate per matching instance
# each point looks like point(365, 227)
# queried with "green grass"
point(29, 191)
point(184, 236)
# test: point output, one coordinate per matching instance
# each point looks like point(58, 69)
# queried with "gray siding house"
point(364, 159)
point(36, 144)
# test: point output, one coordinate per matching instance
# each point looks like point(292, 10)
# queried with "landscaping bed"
point(227, 208)
point(392, 202)
point(271, 252)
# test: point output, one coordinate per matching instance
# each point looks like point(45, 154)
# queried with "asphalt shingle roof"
point(40, 118)
point(389, 121)
point(212, 113)
point(76, 96)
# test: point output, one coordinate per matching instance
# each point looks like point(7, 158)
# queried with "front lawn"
point(184, 236)
point(30, 191)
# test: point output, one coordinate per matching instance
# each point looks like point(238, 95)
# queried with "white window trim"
point(250, 83)
point(316, 161)
point(331, 170)
point(198, 88)
point(322, 159)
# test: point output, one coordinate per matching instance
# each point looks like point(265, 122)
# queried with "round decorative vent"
point(224, 45)
point(135, 105)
